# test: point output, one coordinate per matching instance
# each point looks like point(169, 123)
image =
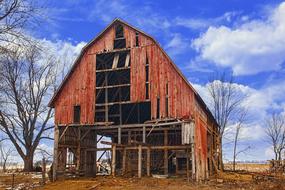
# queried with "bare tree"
point(225, 102)
point(276, 133)
point(240, 123)
point(28, 80)
point(5, 154)
point(15, 16)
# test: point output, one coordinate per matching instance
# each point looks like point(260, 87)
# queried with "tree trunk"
point(28, 163)
point(279, 156)
point(4, 166)
point(221, 165)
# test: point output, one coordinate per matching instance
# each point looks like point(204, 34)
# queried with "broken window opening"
point(146, 73)
point(146, 91)
point(120, 41)
point(119, 31)
point(137, 39)
point(76, 114)
point(166, 106)
point(70, 158)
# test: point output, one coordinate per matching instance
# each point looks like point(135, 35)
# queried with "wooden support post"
point(187, 164)
point(193, 161)
point(85, 162)
point(165, 152)
point(148, 162)
point(55, 154)
point(176, 166)
point(78, 151)
point(140, 161)
point(144, 140)
point(106, 99)
point(94, 172)
point(113, 160)
point(124, 160)
point(119, 135)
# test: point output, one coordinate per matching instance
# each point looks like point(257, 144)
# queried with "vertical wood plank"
point(148, 162)
point(55, 153)
point(113, 160)
point(140, 161)
point(165, 152)
point(124, 161)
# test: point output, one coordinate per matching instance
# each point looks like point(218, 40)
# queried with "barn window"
point(157, 107)
point(120, 41)
point(146, 91)
point(76, 114)
point(137, 39)
point(119, 31)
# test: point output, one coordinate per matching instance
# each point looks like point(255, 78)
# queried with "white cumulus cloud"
point(249, 48)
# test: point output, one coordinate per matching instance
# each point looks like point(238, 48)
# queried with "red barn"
point(125, 87)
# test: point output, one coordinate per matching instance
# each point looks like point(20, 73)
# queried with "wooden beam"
point(135, 147)
point(84, 135)
point(94, 172)
point(85, 162)
point(63, 133)
point(124, 161)
point(113, 160)
point(119, 135)
point(193, 161)
point(96, 127)
point(112, 86)
point(101, 155)
point(55, 154)
point(148, 162)
point(187, 165)
point(99, 139)
point(106, 99)
point(140, 161)
point(165, 152)
point(111, 143)
point(144, 137)
point(78, 151)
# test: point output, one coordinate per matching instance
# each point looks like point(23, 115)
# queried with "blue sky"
point(243, 37)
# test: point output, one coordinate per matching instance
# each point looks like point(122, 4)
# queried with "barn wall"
point(77, 92)
point(180, 94)
point(161, 72)
point(79, 89)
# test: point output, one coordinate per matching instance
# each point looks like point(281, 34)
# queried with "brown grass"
point(223, 181)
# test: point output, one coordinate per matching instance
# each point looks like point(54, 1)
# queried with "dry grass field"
point(251, 167)
point(248, 176)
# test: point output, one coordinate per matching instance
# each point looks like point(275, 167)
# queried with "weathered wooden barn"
point(125, 87)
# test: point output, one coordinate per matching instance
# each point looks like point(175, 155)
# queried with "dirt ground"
point(242, 180)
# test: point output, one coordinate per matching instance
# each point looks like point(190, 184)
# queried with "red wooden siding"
point(78, 90)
